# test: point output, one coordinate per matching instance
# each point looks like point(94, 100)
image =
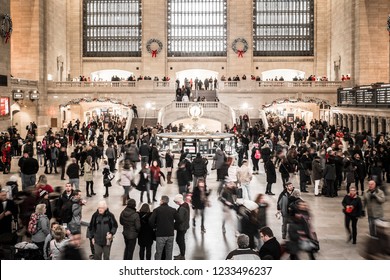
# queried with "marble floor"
point(328, 218)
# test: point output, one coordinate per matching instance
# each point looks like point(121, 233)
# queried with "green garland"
point(6, 27)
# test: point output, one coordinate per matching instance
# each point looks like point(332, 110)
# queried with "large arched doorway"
point(201, 74)
point(287, 74)
point(108, 74)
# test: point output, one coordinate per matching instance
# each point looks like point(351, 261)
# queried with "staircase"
point(253, 121)
point(143, 122)
point(210, 95)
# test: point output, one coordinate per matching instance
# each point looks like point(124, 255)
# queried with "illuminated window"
point(112, 28)
point(283, 27)
point(197, 28)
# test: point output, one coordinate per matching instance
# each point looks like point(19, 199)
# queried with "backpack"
point(257, 154)
point(33, 224)
point(67, 211)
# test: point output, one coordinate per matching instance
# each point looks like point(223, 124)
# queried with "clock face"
point(195, 110)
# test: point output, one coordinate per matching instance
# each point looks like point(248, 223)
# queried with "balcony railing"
point(278, 84)
point(23, 82)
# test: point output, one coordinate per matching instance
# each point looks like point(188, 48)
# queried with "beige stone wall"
point(359, 37)
point(341, 39)
point(5, 66)
point(373, 49)
point(56, 39)
point(25, 39)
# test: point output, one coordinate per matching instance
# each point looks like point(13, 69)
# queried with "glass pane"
point(283, 28)
point(112, 28)
point(197, 28)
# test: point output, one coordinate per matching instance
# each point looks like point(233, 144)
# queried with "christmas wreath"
point(154, 46)
point(6, 27)
point(240, 46)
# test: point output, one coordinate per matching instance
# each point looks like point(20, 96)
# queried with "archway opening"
point(201, 74)
point(287, 74)
point(108, 74)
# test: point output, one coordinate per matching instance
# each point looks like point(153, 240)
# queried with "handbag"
point(309, 245)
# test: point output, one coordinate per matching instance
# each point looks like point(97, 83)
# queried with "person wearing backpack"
point(39, 227)
point(256, 156)
point(102, 229)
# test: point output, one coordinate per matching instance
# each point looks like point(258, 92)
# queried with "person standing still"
point(373, 200)
point(163, 219)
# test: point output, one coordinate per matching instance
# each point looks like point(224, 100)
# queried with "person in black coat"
point(163, 219)
point(183, 179)
point(271, 249)
point(352, 208)
point(182, 224)
point(199, 202)
point(271, 175)
point(360, 172)
point(146, 235)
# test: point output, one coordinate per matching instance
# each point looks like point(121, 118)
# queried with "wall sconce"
point(18, 94)
point(34, 95)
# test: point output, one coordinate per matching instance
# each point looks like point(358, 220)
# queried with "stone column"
point(366, 126)
point(361, 123)
point(345, 120)
point(380, 128)
point(373, 127)
point(387, 126)
point(335, 120)
point(354, 123)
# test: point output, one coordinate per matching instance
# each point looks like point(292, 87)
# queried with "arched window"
point(197, 28)
point(112, 28)
point(283, 28)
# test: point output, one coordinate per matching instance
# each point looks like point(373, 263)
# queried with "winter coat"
point(199, 198)
point(163, 220)
point(270, 171)
point(144, 179)
point(43, 229)
point(283, 201)
point(182, 177)
point(75, 223)
point(330, 171)
point(373, 203)
point(169, 160)
point(88, 173)
point(130, 221)
point(360, 169)
point(199, 167)
point(356, 202)
point(146, 235)
point(317, 170)
point(219, 159)
point(126, 177)
point(183, 217)
point(100, 225)
point(350, 171)
point(244, 176)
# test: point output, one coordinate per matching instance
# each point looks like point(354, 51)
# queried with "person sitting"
point(271, 249)
point(243, 252)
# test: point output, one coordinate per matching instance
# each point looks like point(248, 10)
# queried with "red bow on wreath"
point(154, 53)
point(7, 36)
point(240, 53)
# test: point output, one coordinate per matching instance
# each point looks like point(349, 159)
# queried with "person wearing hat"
point(182, 224)
point(43, 198)
point(130, 221)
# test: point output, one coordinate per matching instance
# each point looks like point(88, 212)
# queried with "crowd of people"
point(324, 155)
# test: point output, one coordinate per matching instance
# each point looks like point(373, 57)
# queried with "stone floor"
point(214, 245)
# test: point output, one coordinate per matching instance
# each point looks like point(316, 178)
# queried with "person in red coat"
point(6, 157)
